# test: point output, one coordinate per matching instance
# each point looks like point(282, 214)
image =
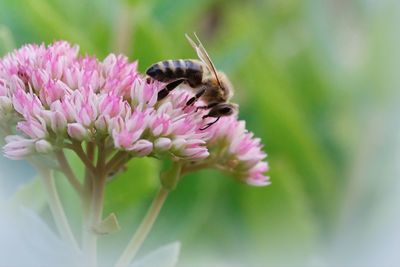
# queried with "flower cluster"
point(238, 152)
point(51, 97)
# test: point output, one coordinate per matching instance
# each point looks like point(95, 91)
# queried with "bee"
point(208, 84)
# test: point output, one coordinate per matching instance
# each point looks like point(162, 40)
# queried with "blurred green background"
point(316, 80)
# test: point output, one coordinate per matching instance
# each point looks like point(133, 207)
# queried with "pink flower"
point(34, 128)
point(234, 150)
point(58, 122)
point(162, 144)
point(77, 131)
point(42, 146)
point(131, 129)
point(27, 104)
point(18, 147)
point(112, 106)
point(56, 97)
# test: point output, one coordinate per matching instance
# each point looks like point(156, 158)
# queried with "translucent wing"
point(203, 55)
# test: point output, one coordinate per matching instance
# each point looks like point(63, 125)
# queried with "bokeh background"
point(318, 81)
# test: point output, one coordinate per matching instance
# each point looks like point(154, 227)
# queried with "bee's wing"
point(203, 55)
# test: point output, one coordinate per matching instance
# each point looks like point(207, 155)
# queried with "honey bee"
point(208, 84)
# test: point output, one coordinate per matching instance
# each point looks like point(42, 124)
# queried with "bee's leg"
point(195, 98)
point(206, 107)
point(208, 124)
point(171, 86)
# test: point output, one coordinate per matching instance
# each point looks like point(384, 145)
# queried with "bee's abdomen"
point(170, 70)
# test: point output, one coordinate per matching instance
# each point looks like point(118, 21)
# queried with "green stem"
point(88, 188)
point(56, 207)
point(101, 157)
point(68, 172)
point(143, 230)
point(115, 161)
point(96, 206)
point(96, 212)
point(88, 182)
point(77, 147)
point(169, 178)
point(90, 149)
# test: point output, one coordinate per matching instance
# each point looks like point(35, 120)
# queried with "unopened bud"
point(43, 146)
point(77, 131)
point(163, 144)
point(58, 122)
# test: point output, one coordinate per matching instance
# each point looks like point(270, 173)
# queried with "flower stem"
point(86, 200)
point(69, 173)
point(56, 207)
point(115, 161)
point(96, 212)
point(169, 179)
point(87, 184)
point(144, 229)
point(95, 207)
point(77, 147)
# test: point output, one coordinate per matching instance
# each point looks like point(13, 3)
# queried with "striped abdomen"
point(172, 70)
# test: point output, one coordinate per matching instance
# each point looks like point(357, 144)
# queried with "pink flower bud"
point(102, 124)
point(77, 131)
point(142, 148)
point(258, 180)
point(179, 143)
point(125, 138)
point(42, 146)
point(52, 91)
point(66, 108)
point(27, 104)
point(161, 125)
point(33, 128)
point(38, 79)
point(46, 116)
point(111, 105)
point(162, 144)
point(58, 122)
point(18, 147)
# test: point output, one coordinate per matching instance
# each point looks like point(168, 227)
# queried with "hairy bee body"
point(196, 74)
point(208, 84)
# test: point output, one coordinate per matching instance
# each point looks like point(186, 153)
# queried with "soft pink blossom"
point(42, 146)
point(57, 97)
point(18, 147)
point(77, 131)
point(234, 149)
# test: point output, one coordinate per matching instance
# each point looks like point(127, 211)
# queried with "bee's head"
point(222, 110)
point(218, 111)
